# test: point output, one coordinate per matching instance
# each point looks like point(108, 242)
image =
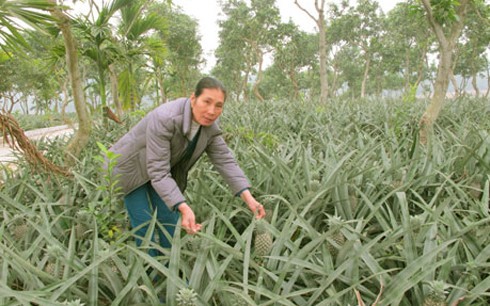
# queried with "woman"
point(158, 152)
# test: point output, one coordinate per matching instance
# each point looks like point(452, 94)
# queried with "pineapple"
point(436, 294)
point(475, 190)
point(238, 301)
point(416, 223)
point(195, 243)
point(186, 297)
point(80, 230)
point(263, 239)
point(335, 225)
point(315, 185)
point(353, 199)
point(20, 230)
point(53, 265)
point(83, 223)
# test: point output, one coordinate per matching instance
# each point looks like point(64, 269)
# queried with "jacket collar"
point(186, 123)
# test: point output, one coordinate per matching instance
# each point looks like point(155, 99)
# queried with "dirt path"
point(7, 154)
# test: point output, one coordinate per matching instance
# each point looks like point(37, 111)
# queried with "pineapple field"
point(359, 212)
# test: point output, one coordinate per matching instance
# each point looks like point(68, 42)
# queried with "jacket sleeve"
point(224, 162)
point(158, 139)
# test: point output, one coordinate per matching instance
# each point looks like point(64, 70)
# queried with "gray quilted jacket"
point(152, 149)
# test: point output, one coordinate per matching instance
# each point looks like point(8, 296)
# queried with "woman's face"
point(208, 106)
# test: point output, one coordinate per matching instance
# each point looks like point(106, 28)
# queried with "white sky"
point(207, 13)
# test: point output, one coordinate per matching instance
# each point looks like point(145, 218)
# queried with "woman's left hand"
point(256, 208)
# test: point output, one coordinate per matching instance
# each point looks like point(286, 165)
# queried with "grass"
point(410, 215)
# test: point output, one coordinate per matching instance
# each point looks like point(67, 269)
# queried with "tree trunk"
point(323, 58)
point(64, 103)
point(161, 87)
point(256, 92)
point(407, 86)
point(292, 77)
point(453, 80)
point(322, 46)
point(115, 91)
point(82, 135)
point(488, 81)
point(365, 77)
point(476, 90)
point(446, 47)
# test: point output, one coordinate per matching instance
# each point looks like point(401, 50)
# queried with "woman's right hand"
point(189, 219)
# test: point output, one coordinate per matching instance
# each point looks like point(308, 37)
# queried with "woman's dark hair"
point(209, 83)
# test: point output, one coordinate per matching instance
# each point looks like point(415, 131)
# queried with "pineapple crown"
point(54, 251)
point(438, 288)
point(335, 223)
point(186, 297)
point(73, 303)
point(84, 216)
point(261, 226)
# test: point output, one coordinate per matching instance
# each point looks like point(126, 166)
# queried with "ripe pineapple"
point(263, 239)
point(436, 294)
point(334, 227)
point(186, 297)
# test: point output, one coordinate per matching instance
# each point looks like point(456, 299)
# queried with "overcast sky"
point(207, 13)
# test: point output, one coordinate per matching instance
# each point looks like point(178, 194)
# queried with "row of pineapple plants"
point(357, 212)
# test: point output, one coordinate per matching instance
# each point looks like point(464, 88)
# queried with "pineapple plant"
point(335, 224)
point(263, 239)
point(186, 297)
point(436, 294)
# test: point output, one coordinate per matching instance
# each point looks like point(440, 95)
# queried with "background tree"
point(15, 15)
point(472, 61)
point(184, 54)
point(295, 53)
point(262, 34)
point(233, 64)
point(137, 23)
point(364, 19)
point(255, 28)
point(99, 43)
point(82, 134)
point(322, 44)
point(446, 19)
point(407, 46)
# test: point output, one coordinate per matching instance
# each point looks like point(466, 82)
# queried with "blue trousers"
point(141, 204)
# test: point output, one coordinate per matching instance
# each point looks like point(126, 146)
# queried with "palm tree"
point(138, 46)
point(15, 15)
point(100, 44)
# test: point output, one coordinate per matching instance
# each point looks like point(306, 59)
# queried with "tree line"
point(119, 53)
